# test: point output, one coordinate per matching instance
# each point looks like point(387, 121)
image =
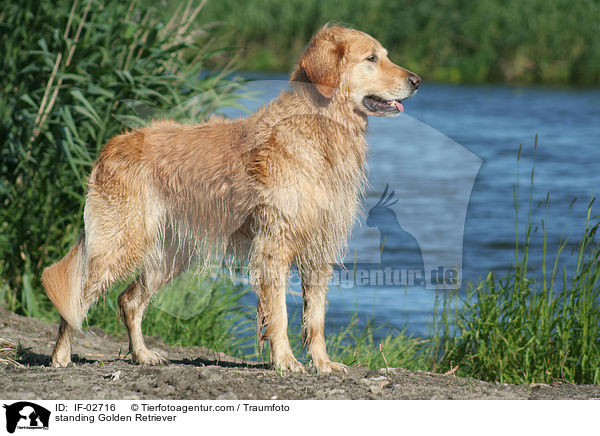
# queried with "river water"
point(451, 160)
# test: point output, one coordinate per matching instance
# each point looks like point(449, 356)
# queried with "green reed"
point(69, 72)
point(521, 328)
point(537, 41)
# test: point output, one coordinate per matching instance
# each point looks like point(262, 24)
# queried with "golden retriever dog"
point(281, 187)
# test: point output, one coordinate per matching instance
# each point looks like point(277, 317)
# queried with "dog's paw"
point(288, 363)
point(149, 357)
point(325, 367)
point(58, 363)
point(61, 358)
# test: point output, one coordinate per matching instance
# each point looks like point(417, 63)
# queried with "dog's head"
point(355, 66)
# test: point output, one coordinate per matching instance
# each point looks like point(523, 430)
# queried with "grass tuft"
point(354, 346)
point(8, 352)
point(523, 328)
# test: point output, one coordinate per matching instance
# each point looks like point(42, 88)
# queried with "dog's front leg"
point(315, 282)
point(269, 267)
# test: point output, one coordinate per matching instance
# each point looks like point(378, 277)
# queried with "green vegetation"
point(535, 41)
point(355, 346)
point(67, 71)
point(200, 312)
point(520, 330)
point(67, 68)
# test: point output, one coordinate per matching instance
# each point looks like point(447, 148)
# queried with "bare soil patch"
point(101, 370)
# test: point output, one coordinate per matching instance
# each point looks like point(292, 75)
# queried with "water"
point(451, 160)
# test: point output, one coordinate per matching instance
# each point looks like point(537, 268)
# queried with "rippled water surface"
point(451, 162)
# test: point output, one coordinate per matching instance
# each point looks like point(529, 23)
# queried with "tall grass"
point(66, 69)
point(535, 41)
point(353, 345)
point(520, 328)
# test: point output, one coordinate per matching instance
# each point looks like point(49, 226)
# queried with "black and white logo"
point(26, 415)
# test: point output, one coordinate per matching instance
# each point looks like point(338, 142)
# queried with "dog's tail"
point(64, 283)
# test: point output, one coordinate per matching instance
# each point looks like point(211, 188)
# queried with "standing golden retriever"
point(277, 188)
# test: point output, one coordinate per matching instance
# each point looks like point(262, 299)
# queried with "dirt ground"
point(101, 371)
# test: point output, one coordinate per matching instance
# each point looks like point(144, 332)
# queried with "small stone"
point(227, 396)
point(113, 376)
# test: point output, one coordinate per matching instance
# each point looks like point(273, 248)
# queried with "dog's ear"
point(321, 62)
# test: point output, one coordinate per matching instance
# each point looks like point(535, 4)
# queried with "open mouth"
point(378, 104)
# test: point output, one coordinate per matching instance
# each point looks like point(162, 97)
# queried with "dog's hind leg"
point(315, 282)
point(74, 295)
point(164, 263)
point(61, 355)
point(63, 283)
point(110, 249)
point(133, 303)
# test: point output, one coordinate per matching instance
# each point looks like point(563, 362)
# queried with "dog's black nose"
point(414, 80)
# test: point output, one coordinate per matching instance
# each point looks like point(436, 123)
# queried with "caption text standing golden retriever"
point(278, 188)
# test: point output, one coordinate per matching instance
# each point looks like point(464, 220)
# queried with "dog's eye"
point(372, 58)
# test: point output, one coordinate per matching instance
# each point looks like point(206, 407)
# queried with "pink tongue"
point(399, 106)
